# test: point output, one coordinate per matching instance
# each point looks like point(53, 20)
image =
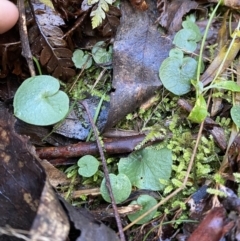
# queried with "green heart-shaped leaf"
point(80, 59)
point(147, 202)
point(176, 74)
point(100, 54)
point(186, 40)
point(188, 24)
point(145, 167)
point(39, 101)
point(121, 188)
point(88, 166)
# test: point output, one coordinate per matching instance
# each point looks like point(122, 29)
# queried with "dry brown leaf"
point(171, 13)
point(27, 201)
point(213, 227)
point(55, 176)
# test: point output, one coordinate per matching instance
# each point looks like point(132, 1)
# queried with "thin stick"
point(106, 174)
point(98, 78)
point(26, 51)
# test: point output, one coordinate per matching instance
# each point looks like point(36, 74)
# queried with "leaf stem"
point(204, 39)
point(38, 65)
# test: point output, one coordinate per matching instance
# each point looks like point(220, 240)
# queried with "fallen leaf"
point(51, 221)
point(85, 226)
point(172, 12)
point(55, 176)
point(27, 201)
point(76, 124)
point(19, 172)
point(213, 226)
point(139, 4)
point(214, 68)
point(138, 51)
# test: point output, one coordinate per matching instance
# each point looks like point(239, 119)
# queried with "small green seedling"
point(177, 71)
point(188, 37)
point(121, 188)
point(39, 101)
point(145, 167)
point(81, 59)
point(88, 166)
point(147, 202)
point(101, 55)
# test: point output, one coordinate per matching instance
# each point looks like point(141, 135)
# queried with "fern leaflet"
point(100, 12)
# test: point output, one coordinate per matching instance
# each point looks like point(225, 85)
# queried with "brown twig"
point(26, 51)
point(78, 22)
point(106, 174)
point(111, 145)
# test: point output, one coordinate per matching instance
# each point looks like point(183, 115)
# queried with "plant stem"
point(38, 65)
point(204, 39)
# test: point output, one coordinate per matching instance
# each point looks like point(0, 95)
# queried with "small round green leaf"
point(80, 59)
point(186, 40)
point(147, 202)
point(100, 54)
point(88, 166)
point(188, 24)
point(176, 74)
point(146, 167)
point(235, 114)
point(39, 101)
point(121, 187)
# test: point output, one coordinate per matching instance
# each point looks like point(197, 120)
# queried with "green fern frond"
point(100, 12)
